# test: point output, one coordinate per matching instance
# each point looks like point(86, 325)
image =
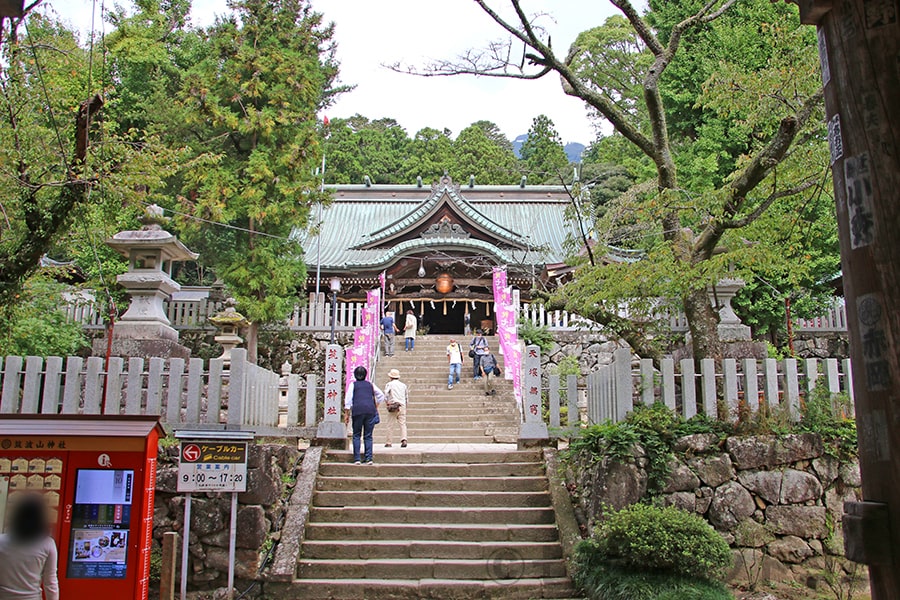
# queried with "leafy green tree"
point(63, 153)
point(543, 156)
point(757, 146)
point(429, 155)
point(34, 325)
point(484, 156)
point(252, 102)
point(357, 148)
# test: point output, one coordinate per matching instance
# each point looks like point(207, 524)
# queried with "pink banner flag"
point(355, 358)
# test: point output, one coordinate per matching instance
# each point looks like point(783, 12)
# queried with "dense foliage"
point(716, 109)
point(665, 551)
point(34, 325)
point(656, 428)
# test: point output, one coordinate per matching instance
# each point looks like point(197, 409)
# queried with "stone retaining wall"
point(777, 500)
point(261, 511)
point(593, 350)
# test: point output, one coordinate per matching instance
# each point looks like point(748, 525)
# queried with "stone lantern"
point(229, 322)
point(730, 327)
point(144, 330)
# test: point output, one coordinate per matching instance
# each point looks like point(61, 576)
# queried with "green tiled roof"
point(528, 224)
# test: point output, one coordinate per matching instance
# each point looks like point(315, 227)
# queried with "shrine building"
point(437, 246)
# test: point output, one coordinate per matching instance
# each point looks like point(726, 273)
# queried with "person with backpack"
point(397, 394)
point(389, 327)
point(489, 371)
point(361, 408)
point(477, 348)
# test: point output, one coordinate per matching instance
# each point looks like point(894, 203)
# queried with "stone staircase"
point(463, 415)
point(459, 514)
point(437, 525)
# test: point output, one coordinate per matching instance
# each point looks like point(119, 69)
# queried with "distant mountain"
point(573, 149)
point(517, 144)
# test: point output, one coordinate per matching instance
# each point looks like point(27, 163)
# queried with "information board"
point(100, 518)
point(212, 466)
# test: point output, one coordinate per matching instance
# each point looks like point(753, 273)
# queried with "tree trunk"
point(252, 342)
point(704, 325)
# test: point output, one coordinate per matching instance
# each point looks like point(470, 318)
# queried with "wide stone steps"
point(437, 470)
point(434, 525)
point(453, 532)
point(426, 568)
point(382, 549)
point(433, 514)
point(434, 498)
point(432, 589)
point(372, 480)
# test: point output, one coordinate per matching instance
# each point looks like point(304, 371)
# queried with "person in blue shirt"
point(389, 327)
point(480, 346)
point(361, 408)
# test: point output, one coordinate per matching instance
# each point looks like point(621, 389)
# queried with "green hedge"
point(663, 549)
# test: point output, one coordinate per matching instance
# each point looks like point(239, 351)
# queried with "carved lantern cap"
point(151, 237)
point(229, 317)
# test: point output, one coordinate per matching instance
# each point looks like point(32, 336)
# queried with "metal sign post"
point(212, 461)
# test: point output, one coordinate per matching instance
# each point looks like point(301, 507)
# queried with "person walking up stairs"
point(434, 414)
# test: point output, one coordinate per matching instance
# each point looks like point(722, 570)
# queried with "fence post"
point(688, 388)
point(708, 383)
point(572, 399)
point(310, 400)
point(668, 382)
point(792, 387)
point(647, 387)
point(553, 399)
point(237, 386)
point(623, 386)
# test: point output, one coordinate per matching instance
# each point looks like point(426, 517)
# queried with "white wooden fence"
point(833, 321)
point(183, 394)
point(614, 390)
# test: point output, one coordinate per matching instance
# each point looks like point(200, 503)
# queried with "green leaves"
point(543, 158)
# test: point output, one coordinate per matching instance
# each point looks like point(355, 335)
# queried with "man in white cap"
point(397, 396)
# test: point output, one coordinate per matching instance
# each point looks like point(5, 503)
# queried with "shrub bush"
point(609, 583)
point(668, 541)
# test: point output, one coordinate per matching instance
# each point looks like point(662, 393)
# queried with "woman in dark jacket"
point(361, 407)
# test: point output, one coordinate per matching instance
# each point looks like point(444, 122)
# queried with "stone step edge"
point(406, 583)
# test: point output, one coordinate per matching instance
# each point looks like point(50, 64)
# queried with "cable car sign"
point(219, 466)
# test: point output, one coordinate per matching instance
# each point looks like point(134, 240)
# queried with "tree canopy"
point(724, 143)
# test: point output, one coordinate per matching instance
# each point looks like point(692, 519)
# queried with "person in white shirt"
point(409, 330)
point(27, 553)
point(397, 394)
point(454, 357)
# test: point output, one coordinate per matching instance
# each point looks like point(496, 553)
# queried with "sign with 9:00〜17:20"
point(212, 467)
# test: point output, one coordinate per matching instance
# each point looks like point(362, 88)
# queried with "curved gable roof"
point(364, 227)
point(444, 193)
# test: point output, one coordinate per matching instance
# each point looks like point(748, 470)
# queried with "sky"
point(371, 34)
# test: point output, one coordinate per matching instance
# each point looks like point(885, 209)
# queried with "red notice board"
point(98, 474)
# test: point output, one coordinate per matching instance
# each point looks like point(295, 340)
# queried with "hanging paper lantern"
point(444, 283)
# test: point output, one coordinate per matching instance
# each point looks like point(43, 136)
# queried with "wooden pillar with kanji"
point(859, 48)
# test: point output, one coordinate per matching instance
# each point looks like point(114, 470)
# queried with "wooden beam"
point(812, 11)
point(12, 8)
point(859, 44)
